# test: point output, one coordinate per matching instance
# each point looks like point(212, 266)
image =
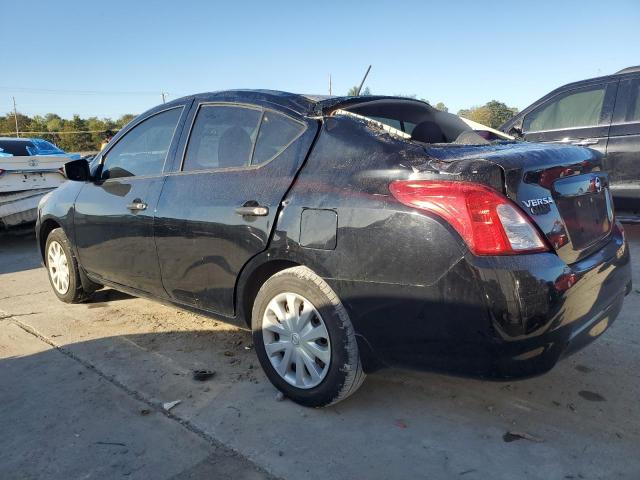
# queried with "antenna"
point(329, 84)
point(164, 94)
point(363, 79)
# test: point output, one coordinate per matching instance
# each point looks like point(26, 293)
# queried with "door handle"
point(588, 141)
point(137, 205)
point(253, 211)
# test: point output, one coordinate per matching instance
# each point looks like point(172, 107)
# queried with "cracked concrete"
point(135, 355)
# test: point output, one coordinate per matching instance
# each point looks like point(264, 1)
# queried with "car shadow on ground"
point(20, 250)
point(104, 297)
point(65, 412)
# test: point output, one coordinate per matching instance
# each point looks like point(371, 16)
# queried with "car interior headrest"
point(428, 132)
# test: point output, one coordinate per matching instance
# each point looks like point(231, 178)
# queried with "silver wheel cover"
point(58, 267)
point(296, 340)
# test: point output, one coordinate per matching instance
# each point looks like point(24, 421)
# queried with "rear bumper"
point(20, 207)
point(499, 317)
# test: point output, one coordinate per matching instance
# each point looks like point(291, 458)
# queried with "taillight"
point(488, 222)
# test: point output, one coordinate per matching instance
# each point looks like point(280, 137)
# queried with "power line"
point(78, 92)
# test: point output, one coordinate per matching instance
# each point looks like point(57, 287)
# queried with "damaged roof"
point(303, 104)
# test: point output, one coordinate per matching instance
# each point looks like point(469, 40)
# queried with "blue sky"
point(116, 57)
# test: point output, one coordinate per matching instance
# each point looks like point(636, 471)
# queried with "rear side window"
point(569, 110)
point(277, 132)
point(222, 137)
point(142, 150)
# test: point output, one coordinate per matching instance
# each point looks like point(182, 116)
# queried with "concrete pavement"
point(581, 420)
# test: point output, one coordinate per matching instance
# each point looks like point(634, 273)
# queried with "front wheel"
point(62, 268)
point(304, 339)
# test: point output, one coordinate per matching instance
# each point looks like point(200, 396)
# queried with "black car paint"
point(615, 136)
point(415, 294)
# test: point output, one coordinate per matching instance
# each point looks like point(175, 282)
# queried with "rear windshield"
point(18, 148)
point(415, 120)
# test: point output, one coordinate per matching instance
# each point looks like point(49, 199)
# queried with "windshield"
point(42, 147)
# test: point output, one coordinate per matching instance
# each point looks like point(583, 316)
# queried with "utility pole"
point(164, 94)
point(15, 115)
point(330, 84)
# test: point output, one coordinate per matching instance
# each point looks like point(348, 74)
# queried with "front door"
point(218, 209)
point(578, 116)
point(114, 214)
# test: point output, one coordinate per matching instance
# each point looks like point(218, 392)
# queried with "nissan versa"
point(348, 233)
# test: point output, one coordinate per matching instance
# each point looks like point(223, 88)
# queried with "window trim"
point(104, 155)
point(251, 165)
point(565, 93)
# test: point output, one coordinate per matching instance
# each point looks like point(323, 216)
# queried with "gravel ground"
point(82, 389)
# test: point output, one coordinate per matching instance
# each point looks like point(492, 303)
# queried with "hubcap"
point(58, 267)
point(296, 340)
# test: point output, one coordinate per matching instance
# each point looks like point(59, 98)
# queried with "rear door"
point(579, 116)
point(114, 214)
point(623, 149)
point(218, 209)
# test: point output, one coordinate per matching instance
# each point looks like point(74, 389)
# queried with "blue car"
point(24, 147)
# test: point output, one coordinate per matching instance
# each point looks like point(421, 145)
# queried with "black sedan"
point(348, 233)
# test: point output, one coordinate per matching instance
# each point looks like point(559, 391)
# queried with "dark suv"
point(348, 234)
point(601, 113)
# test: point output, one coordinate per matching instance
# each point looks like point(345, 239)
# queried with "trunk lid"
point(18, 173)
point(562, 189)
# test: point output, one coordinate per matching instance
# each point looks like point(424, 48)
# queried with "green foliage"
point(493, 113)
point(441, 106)
point(67, 134)
point(353, 91)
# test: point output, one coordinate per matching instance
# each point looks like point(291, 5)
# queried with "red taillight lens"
point(488, 222)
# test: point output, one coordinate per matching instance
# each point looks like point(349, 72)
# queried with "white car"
point(29, 168)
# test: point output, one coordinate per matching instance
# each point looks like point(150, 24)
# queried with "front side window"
point(143, 150)
point(222, 137)
point(570, 110)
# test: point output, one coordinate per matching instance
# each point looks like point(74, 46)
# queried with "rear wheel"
point(62, 268)
point(304, 339)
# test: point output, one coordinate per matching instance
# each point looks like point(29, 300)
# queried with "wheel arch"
point(46, 228)
point(253, 280)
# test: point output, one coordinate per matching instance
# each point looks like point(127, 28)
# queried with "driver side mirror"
point(77, 170)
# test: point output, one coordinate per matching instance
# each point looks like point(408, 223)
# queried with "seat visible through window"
point(222, 137)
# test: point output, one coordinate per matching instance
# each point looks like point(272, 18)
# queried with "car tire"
point(311, 355)
point(62, 268)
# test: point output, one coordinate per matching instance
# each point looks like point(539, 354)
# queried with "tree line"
point(72, 135)
point(87, 134)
